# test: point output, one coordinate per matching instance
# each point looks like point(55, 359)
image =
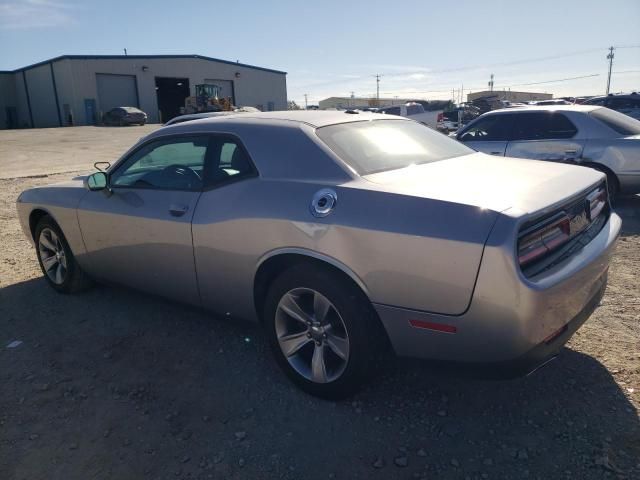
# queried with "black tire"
point(359, 318)
point(74, 279)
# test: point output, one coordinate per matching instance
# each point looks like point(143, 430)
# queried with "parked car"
point(201, 115)
point(124, 116)
point(340, 233)
point(592, 136)
point(414, 111)
point(449, 121)
point(197, 116)
point(553, 101)
point(627, 104)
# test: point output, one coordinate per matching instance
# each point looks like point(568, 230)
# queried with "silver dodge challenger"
point(342, 233)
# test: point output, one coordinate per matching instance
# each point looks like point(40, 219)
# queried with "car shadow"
point(113, 383)
point(628, 208)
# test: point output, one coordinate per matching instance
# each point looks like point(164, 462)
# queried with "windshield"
point(619, 122)
point(379, 145)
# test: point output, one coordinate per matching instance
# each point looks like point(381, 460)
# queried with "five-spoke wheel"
point(52, 256)
point(56, 259)
point(312, 335)
point(323, 330)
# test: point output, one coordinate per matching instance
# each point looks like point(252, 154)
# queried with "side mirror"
point(96, 181)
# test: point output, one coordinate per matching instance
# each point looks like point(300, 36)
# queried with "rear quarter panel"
point(407, 251)
point(622, 155)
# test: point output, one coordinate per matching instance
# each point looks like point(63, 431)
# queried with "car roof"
point(314, 118)
point(547, 108)
point(197, 116)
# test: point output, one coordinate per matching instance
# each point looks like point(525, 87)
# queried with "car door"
point(223, 225)
point(544, 135)
point(488, 134)
point(138, 231)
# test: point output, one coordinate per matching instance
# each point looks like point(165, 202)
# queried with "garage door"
point(116, 91)
point(225, 87)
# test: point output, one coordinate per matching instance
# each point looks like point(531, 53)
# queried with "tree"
point(292, 105)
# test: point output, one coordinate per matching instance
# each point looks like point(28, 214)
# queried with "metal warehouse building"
point(77, 90)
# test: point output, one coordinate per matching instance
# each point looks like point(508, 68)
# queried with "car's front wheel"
point(56, 260)
point(322, 329)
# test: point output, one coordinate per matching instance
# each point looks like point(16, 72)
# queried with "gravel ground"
point(115, 384)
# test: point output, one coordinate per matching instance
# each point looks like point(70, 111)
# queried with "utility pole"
point(378, 89)
point(305, 101)
point(610, 58)
point(491, 83)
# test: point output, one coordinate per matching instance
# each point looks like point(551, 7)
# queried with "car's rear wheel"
point(322, 329)
point(56, 260)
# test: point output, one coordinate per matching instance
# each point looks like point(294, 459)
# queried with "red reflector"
point(438, 327)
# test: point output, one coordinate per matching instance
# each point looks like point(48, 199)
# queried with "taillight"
point(542, 239)
point(596, 201)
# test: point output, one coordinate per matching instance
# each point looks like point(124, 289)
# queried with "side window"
point(392, 111)
point(623, 103)
point(542, 126)
point(174, 164)
point(414, 109)
point(559, 126)
point(490, 128)
point(229, 159)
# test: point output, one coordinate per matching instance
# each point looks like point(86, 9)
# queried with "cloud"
point(28, 14)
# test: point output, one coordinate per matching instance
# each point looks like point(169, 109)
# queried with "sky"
point(421, 49)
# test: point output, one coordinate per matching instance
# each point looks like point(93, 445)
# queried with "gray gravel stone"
point(402, 461)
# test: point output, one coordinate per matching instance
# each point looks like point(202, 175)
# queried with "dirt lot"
point(115, 384)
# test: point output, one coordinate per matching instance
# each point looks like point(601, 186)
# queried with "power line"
point(502, 87)
point(474, 67)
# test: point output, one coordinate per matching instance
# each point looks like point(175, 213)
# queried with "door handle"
point(495, 153)
point(178, 210)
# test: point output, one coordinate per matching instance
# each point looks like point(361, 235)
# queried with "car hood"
point(495, 183)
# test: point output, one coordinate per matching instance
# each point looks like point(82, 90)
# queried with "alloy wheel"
point(52, 256)
point(312, 335)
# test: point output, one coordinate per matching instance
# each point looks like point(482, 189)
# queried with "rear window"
point(380, 145)
point(618, 122)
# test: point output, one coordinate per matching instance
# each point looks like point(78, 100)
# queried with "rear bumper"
point(513, 324)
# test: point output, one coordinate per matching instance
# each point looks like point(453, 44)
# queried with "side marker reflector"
point(438, 327)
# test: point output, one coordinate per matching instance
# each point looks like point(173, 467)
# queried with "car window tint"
point(623, 103)
point(392, 111)
point(542, 126)
point(176, 164)
point(229, 160)
point(616, 121)
point(414, 109)
point(489, 128)
point(559, 126)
